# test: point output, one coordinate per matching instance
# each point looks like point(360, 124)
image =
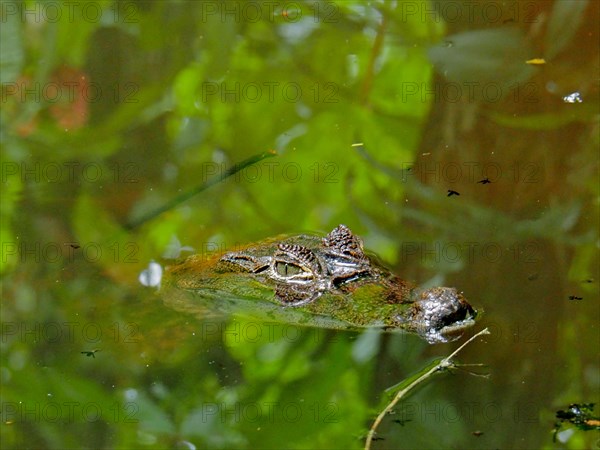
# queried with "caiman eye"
point(288, 269)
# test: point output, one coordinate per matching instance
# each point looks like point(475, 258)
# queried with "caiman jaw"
point(440, 314)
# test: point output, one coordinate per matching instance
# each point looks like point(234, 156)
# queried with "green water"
point(376, 110)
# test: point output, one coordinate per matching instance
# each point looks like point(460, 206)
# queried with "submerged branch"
point(187, 195)
point(444, 364)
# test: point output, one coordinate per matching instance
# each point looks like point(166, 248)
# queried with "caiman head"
point(304, 269)
point(302, 274)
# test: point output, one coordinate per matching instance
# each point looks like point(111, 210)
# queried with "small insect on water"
point(402, 422)
point(91, 353)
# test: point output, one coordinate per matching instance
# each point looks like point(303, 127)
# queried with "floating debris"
point(536, 61)
point(151, 276)
point(574, 97)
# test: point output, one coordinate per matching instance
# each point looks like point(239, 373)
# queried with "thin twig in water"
point(189, 194)
point(442, 365)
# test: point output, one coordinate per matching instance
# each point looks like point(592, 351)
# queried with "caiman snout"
point(440, 314)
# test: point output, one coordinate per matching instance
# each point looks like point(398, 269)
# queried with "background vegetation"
point(111, 109)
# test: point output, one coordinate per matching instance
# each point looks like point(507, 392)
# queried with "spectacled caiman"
point(326, 282)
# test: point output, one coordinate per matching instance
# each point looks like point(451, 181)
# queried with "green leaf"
point(393, 390)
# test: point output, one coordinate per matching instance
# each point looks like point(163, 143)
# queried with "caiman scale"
point(328, 282)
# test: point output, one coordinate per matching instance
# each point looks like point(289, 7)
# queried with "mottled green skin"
point(376, 298)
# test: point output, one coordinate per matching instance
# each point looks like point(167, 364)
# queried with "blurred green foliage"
point(156, 98)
